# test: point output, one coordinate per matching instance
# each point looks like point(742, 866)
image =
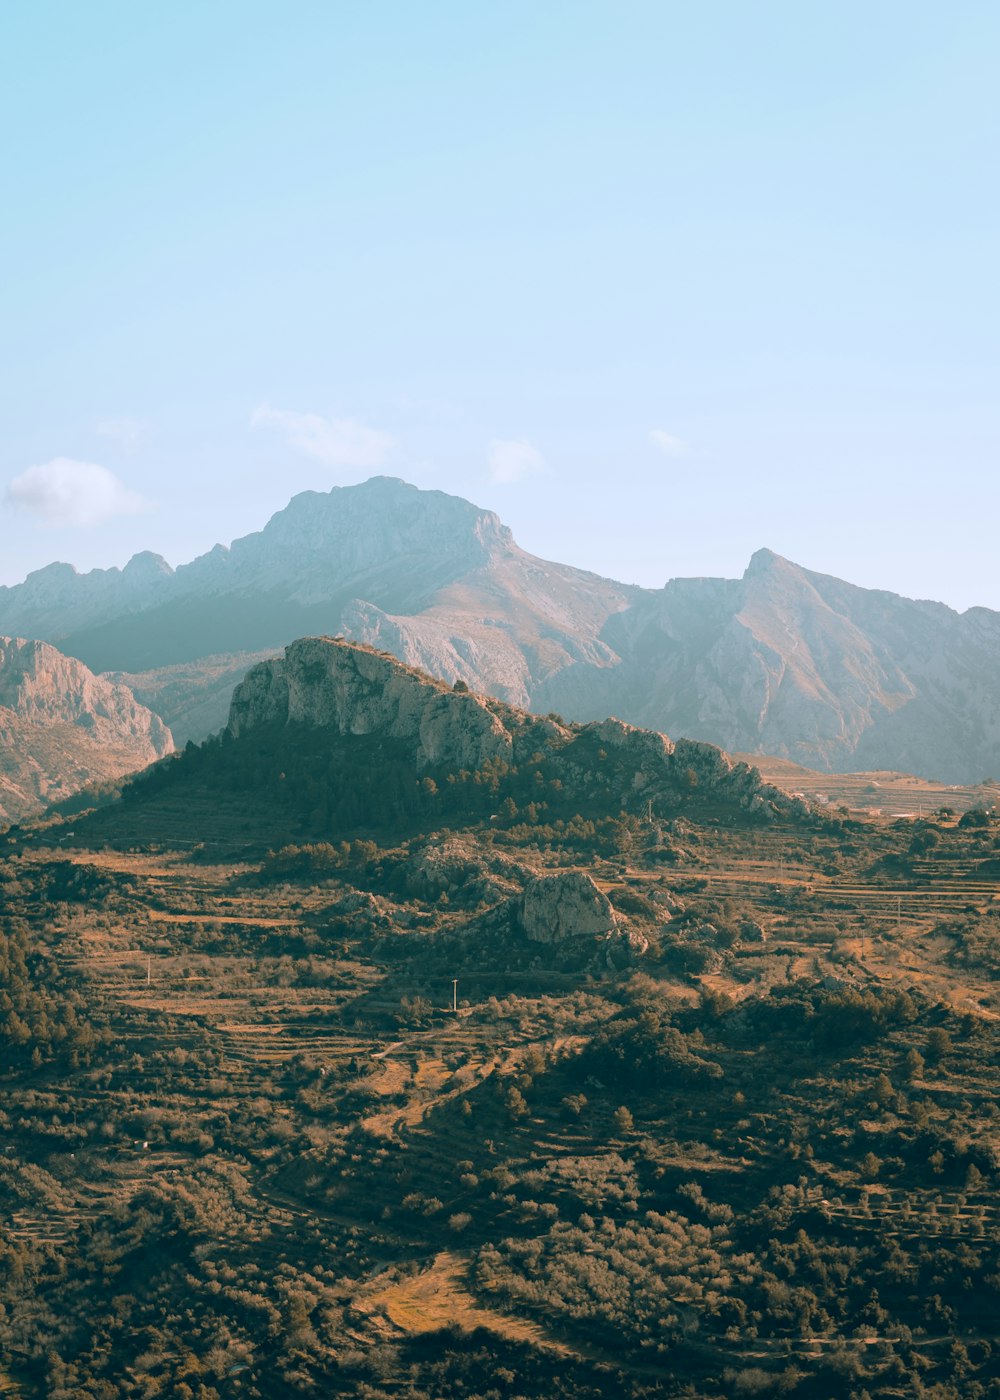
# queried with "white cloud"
point(510, 461)
point(67, 492)
point(340, 442)
point(127, 432)
point(666, 443)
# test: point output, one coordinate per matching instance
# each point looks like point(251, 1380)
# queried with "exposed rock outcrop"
point(559, 920)
point(327, 683)
point(356, 691)
point(463, 871)
point(568, 905)
point(62, 728)
point(568, 914)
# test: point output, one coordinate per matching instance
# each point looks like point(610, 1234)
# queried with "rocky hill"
point(335, 750)
point(338, 689)
point(428, 576)
point(782, 661)
point(335, 741)
point(63, 728)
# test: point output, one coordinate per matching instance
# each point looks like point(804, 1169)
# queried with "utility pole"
point(899, 912)
point(149, 971)
point(454, 994)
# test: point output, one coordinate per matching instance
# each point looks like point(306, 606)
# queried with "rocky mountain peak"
point(383, 516)
point(764, 561)
point(774, 574)
point(147, 565)
point(50, 579)
point(403, 543)
point(780, 661)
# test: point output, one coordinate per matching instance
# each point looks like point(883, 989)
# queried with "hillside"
point(402, 1045)
point(63, 728)
point(191, 697)
point(335, 735)
point(783, 661)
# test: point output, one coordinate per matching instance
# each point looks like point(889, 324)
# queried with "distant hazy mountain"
point(782, 661)
point(61, 728)
point(428, 576)
point(802, 666)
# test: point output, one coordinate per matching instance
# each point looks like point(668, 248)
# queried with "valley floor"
point(250, 1149)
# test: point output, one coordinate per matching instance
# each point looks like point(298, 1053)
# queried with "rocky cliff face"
point(330, 684)
point(61, 728)
point(783, 661)
point(351, 690)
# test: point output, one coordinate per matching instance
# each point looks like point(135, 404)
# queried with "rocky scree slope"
point(782, 661)
point(63, 728)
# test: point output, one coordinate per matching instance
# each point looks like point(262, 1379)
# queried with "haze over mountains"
point(782, 661)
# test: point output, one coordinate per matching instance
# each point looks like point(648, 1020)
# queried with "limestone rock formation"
point(327, 683)
point(353, 691)
point(62, 728)
point(463, 871)
point(568, 905)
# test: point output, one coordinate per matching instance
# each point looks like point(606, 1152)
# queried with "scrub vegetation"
point(250, 1148)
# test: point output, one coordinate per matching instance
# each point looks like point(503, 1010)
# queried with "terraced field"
point(879, 793)
point(281, 1108)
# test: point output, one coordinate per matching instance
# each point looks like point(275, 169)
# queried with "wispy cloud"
point(67, 492)
point(666, 443)
point(511, 461)
point(126, 432)
point(339, 442)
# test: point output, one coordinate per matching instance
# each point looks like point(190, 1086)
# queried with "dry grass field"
point(878, 793)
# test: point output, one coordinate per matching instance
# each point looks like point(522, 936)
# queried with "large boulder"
point(567, 905)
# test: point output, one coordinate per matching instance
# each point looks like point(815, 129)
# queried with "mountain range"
point(782, 661)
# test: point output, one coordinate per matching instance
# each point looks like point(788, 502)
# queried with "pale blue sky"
point(252, 248)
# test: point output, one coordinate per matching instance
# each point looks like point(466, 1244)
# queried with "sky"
point(660, 283)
